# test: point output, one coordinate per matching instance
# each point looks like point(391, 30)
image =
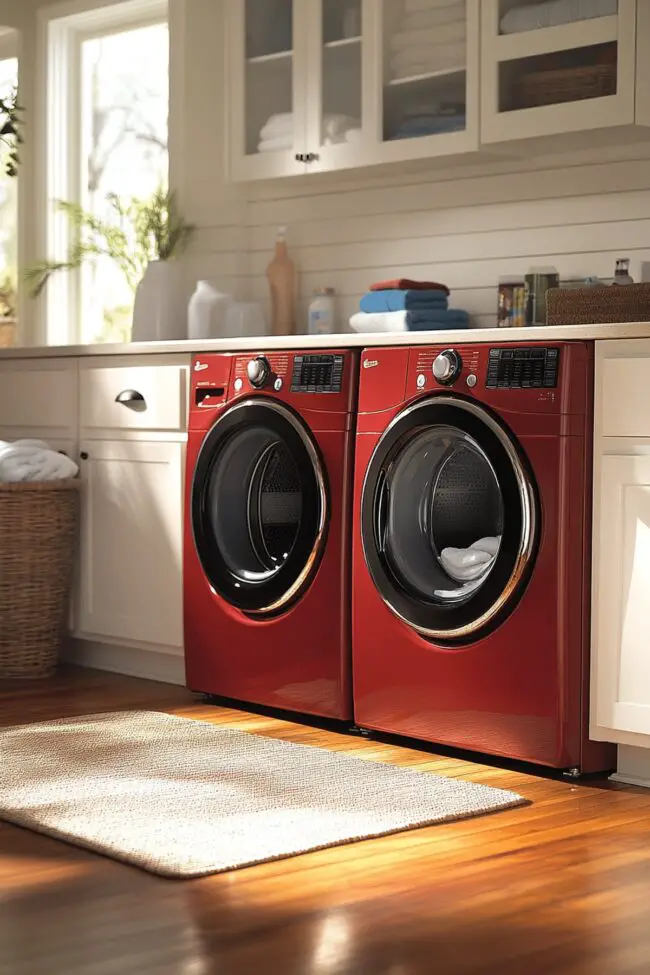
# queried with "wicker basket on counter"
point(38, 539)
point(537, 88)
point(599, 305)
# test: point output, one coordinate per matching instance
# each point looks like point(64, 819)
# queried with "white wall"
point(465, 227)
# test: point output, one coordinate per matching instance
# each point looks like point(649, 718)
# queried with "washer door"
point(259, 506)
point(449, 519)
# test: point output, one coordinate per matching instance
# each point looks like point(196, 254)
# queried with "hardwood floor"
point(560, 886)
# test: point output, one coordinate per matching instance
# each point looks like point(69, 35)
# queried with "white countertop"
point(348, 340)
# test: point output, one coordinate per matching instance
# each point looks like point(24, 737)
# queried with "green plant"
point(11, 137)
point(134, 233)
point(8, 295)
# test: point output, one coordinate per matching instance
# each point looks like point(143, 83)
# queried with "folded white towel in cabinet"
point(32, 460)
point(278, 125)
point(421, 60)
point(553, 13)
point(424, 19)
point(334, 125)
point(417, 5)
point(434, 36)
point(276, 144)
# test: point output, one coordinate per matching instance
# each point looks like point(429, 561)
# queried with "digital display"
point(317, 374)
point(532, 368)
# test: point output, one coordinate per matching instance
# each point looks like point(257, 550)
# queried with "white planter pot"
point(159, 313)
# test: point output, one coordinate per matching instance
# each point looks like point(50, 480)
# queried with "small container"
point(512, 303)
point(622, 273)
point(207, 312)
point(322, 312)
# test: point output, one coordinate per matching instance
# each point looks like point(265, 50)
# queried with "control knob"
point(258, 371)
point(447, 367)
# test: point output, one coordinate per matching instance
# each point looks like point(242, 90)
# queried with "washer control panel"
point(535, 367)
point(317, 374)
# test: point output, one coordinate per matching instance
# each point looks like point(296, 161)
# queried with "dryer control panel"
point(532, 367)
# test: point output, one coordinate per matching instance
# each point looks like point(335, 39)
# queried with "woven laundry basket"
point(38, 540)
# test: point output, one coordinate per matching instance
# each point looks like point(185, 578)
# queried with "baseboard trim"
point(150, 664)
point(633, 767)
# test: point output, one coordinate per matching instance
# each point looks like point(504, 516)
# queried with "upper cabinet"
point(557, 67)
point(319, 85)
point(325, 85)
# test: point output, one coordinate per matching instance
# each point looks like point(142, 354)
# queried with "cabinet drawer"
point(625, 397)
point(133, 398)
point(38, 396)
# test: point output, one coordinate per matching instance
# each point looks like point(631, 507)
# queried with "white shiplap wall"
point(465, 227)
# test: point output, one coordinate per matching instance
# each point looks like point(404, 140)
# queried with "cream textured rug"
point(185, 798)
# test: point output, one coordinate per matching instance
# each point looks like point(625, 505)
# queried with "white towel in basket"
point(33, 460)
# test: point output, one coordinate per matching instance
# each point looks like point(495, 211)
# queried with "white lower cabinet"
point(622, 626)
point(620, 699)
point(130, 572)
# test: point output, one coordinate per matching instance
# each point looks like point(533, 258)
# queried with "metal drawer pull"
point(133, 399)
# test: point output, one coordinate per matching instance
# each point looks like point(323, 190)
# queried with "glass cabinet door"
point(338, 38)
point(429, 77)
point(553, 68)
point(267, 52)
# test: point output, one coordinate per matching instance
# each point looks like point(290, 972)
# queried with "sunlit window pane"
point(124, 138)
point(8, 221)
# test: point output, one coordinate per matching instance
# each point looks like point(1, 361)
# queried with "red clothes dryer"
point(267, 529)
point(471, 553)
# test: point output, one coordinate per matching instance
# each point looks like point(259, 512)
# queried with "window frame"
point(63, 28)
point(10, 50)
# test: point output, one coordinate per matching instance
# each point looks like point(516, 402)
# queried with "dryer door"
point(449, 519)
point(259, 506)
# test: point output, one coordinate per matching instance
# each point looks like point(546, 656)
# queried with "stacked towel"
point(32, 460)
point(408, 284)
point(409, 321)
point(277, 133)
point(422, 125)
point(396, 300)
point(552, 13)
point(432, 38)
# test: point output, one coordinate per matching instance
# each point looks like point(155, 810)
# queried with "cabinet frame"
point(621, 464)
point(610, 112)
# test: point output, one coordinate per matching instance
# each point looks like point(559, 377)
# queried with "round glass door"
point(449, 519)
point(259, 506)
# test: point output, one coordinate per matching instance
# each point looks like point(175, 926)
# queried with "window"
point(124, 135)
point(108, 93)
point(8, 210)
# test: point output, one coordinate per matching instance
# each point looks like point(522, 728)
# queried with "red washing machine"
point(267, 529)
point(471, 553)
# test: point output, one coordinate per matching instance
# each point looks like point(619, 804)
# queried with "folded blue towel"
point(403, 301)
point(424, 322)
point(433, 125)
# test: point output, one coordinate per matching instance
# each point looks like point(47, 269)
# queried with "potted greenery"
point(11, 137)
point(143, 238)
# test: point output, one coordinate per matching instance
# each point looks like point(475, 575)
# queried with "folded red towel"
point(405, 284)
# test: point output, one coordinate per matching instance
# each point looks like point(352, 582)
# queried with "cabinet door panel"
point(267, 81)
point(130, 578)
point(426, 79)
point(544, 74)
point(338, 130)
point(620, 611)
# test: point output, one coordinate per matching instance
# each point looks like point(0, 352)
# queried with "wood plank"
point(560, 886)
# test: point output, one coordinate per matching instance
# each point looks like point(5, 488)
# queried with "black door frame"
point(279, 589)
point(460, 623)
